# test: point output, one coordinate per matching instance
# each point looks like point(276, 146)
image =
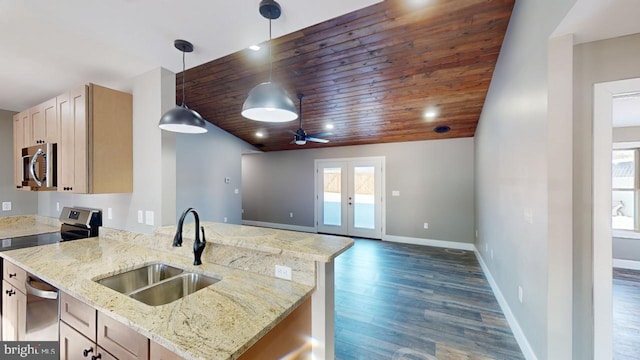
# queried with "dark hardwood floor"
point(397, 301)
point(626, 314)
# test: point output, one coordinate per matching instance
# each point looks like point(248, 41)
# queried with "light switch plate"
point(148, 215)
point(140, 217)
point(6, 206)
point(395, 193)
point(109, 213)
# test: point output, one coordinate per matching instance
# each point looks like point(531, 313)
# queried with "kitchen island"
point(221, 321)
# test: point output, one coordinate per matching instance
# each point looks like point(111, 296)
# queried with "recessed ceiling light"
point(254, 47)
point(259, 134)
point(441, 129)
point(430, 114)
point(328, 126)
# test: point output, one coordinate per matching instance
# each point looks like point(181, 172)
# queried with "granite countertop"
point(308, 246)
point(217, 322)
point(16, 226)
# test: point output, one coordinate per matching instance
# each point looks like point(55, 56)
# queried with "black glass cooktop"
point(29, 241)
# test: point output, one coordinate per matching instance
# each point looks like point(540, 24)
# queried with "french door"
point(349, 197)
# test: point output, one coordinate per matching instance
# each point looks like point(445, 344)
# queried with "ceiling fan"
point(300, 137)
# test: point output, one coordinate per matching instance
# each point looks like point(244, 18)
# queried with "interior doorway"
point(604, 94)
point(349, 195)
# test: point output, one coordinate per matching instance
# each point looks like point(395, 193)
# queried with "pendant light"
point(181, 119)
point(268, 101)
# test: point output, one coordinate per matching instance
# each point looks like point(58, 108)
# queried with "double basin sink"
point(157, 284)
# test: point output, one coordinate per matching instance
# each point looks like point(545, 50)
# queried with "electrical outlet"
point(528, 215)
point(290, 214)
point(236, 191)
point(148, 217)
point(476, 234)
point(6, 206)
point(426, 225)
point(109, 213)
point(395, 192)
point(224, 219)
point(140, 217)
point(491, 254)
point(486, 247)
point(283, 272)
point(57, 206)
point(520, 293)
point(227, 180)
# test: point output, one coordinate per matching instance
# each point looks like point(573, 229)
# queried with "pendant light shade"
point(268, 101)
point(181, 119)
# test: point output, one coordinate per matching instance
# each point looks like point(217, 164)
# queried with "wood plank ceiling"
point(372, 74)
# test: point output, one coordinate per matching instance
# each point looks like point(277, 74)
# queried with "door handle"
point(10, 292)
point(86, 352)
point(32, 166)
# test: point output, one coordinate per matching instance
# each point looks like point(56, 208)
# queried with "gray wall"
point(435, 180)
point(511, 168)
point(152, 160)
point(596, 62)
point(22, 202)
point(203, 163)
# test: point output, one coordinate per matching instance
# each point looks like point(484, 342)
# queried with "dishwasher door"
point(42, 311)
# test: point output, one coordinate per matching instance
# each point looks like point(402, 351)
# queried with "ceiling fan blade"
point(324, 141)
point(292, 132)
point(328, 133)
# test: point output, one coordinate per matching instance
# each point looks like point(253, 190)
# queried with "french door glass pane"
point(363, 202)
point(623, 207)
point(332, 196)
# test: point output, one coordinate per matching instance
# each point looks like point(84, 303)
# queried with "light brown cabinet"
point(95, 152)
point(44, 123)
point(14, 303)
point(74, 345)
point(21, 138)
point(84, 330)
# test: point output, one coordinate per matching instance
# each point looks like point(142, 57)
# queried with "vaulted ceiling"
point(373, 74)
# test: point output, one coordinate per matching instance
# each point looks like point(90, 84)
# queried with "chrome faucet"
point(198, 246)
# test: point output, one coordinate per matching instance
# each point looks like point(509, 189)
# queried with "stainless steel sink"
point(157, 284)
point(130, 281)
point(173, 289)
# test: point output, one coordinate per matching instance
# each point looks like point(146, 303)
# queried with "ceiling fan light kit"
point(268, 101)
point(300, 137)
point(181, 119)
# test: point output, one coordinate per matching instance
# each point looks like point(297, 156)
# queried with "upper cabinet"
point(93, 129)
point(45, 124)
point(21, 133)
point(95, 151)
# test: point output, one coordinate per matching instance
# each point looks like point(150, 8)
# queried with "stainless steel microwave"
point(39, 167)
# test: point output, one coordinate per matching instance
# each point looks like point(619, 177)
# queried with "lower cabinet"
point(14, 312)
point(74, 345)
point(88, 334)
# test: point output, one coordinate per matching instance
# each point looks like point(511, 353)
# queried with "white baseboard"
point(525, 347)
point(429, 242)
point(626, 264)
point(309, 229)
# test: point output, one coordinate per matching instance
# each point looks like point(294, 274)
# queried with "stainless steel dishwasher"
point(41, 321)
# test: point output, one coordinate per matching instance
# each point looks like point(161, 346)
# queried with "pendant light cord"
point(270, 54)
point(183, 76)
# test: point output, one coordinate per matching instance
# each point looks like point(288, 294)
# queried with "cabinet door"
point(72, 147)
point(17, 151)
point(120, 340)
point(14, 313)
point(37, 124)
point(79, 315)
point(75, 346)
point(50, 122)
point(159, 352)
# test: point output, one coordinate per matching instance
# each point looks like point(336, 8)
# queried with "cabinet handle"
point(10, 292)
point(86, 352)
point(99, 356)
point(12, 275)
